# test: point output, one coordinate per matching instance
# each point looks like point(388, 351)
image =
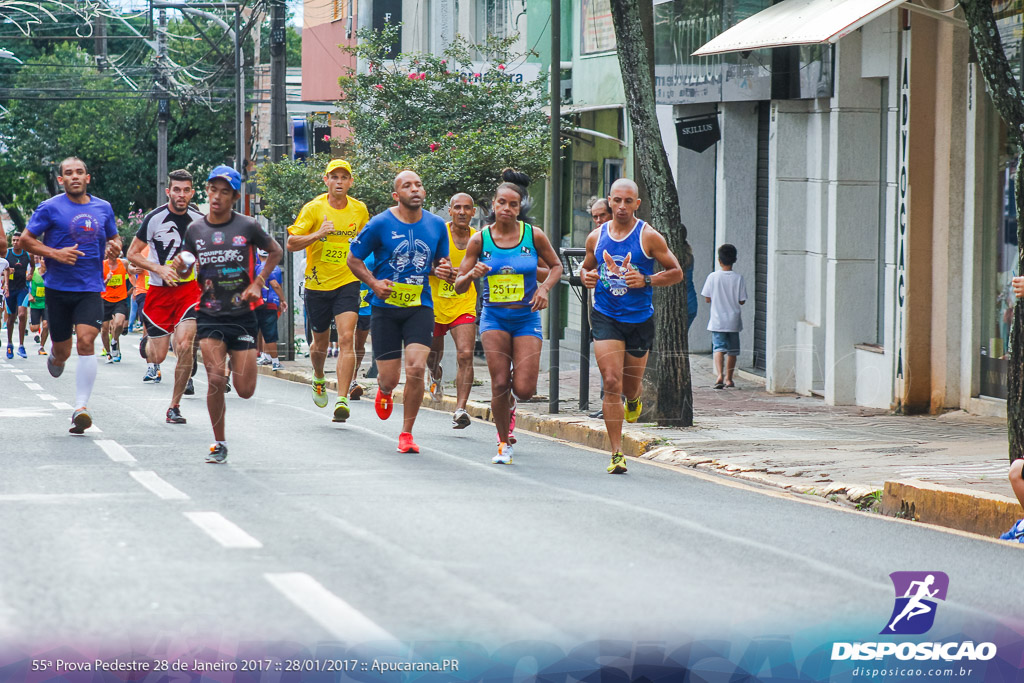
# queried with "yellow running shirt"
point(326, 268)
point(447, 304)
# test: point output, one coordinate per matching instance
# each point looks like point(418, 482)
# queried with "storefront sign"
point(698, 133)
point(902, 209)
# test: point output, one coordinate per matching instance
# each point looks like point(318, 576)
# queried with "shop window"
point(1000, 266)
point(585, 186)
point(597, 34)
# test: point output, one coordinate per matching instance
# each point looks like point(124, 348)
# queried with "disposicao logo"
point(917, 595)
point(913, 613)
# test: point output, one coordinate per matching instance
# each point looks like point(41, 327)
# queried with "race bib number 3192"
point(405, 295)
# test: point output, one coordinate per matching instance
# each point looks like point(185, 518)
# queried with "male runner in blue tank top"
point(619, 267)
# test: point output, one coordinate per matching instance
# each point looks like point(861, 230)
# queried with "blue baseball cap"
point(229, 174)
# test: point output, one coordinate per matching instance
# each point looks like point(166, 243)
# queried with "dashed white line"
point(60, 405)
point(227, 533)
point(33, 386)
point(153, 482)
point(340, 619)
point(23, 378)
point(47, 397)
point(115, 451)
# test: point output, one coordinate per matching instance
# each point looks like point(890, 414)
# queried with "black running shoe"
point(190, 389)
point(174, 416)
point(218, 454)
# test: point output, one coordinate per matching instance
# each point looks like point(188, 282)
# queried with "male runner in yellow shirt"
point(324, 228)
point(455, 313)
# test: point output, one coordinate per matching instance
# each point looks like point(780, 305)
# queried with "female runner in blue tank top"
point(505, 256)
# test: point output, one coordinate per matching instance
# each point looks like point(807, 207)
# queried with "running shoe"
point(41, 351)
point(511, 421)
point(341, 411)
point(504, 456)
point(320, 393)
point(384, 405)
point(218, 454)
point(103, 352)
point(633, 410)
point(36, 339)
point(152, 375)
point(227, 388)
point(618, 465)
point(52, 368)
point(10, 351)
point(355, 391)
point(109, 360)
point(460, 420)
point(80, 421)
point(21, 351)
point(406, 444)
point(142, 347)
point(115, 351)
point(275, 365)
point(190, 388)
point(263, 360)
point(174, 416)
point(1016, 533)
point(436, 391)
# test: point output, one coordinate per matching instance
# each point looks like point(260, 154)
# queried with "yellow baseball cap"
point(336, 164)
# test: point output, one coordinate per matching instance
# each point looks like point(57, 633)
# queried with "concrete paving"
point(945, 469)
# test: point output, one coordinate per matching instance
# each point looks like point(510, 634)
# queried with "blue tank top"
point(611, 296)
point(512, 280)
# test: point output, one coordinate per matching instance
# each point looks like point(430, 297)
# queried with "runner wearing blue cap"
point(222, 248)
point(74, 232)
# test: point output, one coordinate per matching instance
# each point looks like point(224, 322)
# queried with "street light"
point(7, 54)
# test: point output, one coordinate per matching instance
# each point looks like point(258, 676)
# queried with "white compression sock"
point(85, 377)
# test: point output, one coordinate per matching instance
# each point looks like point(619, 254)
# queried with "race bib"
point(363, 303)
point(115, 280)
point(447, 290)
point(40, 292)
point(335, 252)
point(188, 278)
point(506, 288)
point(404, 295)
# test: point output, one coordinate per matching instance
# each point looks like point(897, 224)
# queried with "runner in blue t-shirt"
point(74, 232)
point(355, 390)
point(15, 291)
point(408, 244)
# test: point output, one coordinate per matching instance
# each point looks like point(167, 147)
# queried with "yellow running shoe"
point(341, 411)
point(320, 393)
point(633, 409)
point(618, 465)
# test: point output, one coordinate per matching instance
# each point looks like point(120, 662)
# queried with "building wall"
point(323, 62)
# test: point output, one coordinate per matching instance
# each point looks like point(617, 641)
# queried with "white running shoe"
point(504, 456)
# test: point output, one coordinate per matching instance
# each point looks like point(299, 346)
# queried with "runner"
point(16, 294)
point(456, 313)
point(324, 228)
point(268, 312)
point(115, 307)
point(140, 286)
point(37, 305)
point(77, 230)
point(600, 214)
point(507, 252)
point(408, 244)
point(222, 248)
point(619, 267)
point(171, 301)
point(355, 390)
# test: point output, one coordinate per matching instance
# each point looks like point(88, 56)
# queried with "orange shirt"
point(140, 281)
point(117, 281)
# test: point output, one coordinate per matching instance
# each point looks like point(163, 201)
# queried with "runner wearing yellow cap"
point(324, 228)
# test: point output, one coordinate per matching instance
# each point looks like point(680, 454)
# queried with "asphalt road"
point(318, 531)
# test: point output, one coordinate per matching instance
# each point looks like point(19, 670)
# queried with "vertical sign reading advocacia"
point(902, 209)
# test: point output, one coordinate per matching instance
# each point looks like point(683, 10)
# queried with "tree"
point(455, 122)
point(675, 392)
point(1009, 102)
point(287, 185)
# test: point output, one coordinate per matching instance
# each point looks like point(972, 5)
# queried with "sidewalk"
point(948, 470)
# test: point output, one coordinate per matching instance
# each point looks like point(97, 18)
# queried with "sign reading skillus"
point(698, 132)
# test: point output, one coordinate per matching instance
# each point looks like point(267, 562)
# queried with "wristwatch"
point(647, 280)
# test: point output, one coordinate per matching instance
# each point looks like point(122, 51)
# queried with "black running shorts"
point(238, 333)
point(391, 328)
point(638, 337)
point(112, 308)
point(323, 306)
point(65, 309)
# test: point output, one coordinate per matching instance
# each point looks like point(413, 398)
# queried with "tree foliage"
point(287, 185)
point(456, 121)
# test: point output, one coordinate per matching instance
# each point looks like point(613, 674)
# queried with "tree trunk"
point(671, 357)
point(7, 201)
point(1006, 95)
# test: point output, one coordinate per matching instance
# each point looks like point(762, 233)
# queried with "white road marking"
point(33, 386)
point(340, 619)
point(23, 378)
point(153, 482)
point(62, 406)
point(47, 397)
point(94, 428)
point(228, 534)
point(115, 451)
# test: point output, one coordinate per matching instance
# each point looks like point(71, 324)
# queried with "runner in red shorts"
point(172, 300)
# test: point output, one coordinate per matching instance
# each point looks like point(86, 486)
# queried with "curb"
point(572, 428)
point(979, 513)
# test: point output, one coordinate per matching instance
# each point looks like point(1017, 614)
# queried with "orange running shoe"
point(384, 405)
point(406, 444)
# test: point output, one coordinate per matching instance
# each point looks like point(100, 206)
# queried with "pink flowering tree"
point(457, 119)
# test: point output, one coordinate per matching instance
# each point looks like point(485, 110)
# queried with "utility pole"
point(555, 200)
point(100, 31)
point(239, 110)
point(279, 150)
point(163, 109)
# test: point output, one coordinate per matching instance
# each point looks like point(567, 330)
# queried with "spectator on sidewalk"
point(726, 291)
point(1016, 532)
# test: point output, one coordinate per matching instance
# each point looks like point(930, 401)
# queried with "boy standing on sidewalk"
point(726, 291)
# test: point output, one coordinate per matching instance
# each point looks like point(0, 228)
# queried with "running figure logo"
point(917, 594)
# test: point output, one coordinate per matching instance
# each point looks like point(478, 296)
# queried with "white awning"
point(798, 22)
